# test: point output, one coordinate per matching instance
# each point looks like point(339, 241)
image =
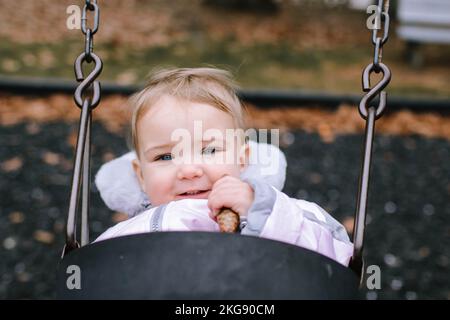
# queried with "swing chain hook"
point(377, 66)
point(377, 90)
point(370, 114)
point(81, 169)
point(90, 79)
point(89, 56)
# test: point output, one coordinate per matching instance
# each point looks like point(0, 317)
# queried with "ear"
point(244, 156)
point(138, 171)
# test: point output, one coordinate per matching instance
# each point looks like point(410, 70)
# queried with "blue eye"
point(209, 150)
point(164, 157)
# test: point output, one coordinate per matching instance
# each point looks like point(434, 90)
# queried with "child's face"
point(165, 172)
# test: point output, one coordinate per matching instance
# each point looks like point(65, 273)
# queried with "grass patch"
point(261, 65)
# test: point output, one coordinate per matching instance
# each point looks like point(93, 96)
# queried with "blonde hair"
point(211, 86)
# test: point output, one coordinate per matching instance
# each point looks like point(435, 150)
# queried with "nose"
point(189, 171)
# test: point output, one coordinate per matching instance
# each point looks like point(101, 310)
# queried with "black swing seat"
point(203, 265)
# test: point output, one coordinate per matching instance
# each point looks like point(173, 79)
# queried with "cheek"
point(231, 166)
point(158, 184)
point(218, 171)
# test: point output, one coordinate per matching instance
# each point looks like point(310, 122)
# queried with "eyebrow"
point(162, 146)
point(170, 144)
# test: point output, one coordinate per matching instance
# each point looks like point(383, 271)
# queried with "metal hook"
point(375, 91)
point(90, 79)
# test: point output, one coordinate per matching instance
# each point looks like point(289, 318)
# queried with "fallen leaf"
point(72, 139)
point(16, 217)
point(12, 164)
point(51, 158)
point(44, 236)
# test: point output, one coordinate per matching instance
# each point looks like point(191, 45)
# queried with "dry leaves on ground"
point(114, 114)
point(159, 23)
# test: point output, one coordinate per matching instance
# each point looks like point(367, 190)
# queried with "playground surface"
point(302, 46)
point(407, 234)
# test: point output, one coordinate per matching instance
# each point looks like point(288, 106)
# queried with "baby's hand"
point(232, 193)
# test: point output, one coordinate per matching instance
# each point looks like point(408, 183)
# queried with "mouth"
point(194, 194)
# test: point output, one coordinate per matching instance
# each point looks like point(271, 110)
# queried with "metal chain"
point(378, 41)
point(370, 114)
point(88, 32)
point(377, 65)
point(88, 56)
point(81, 171)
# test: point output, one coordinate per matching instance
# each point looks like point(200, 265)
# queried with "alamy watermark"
point(373, 281)
point(225, 147)
point(374, 20)
point(73, 21)
point(73, 281)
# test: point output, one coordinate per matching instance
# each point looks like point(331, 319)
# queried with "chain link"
point(88, 32)
point(89, 4)
point(379, 41)
point(91, 7)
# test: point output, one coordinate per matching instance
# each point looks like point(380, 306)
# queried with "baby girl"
point(192, 154)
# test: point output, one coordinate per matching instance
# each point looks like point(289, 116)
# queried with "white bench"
point(424, 21)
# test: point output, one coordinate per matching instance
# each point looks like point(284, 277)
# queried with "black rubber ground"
point(409, 212)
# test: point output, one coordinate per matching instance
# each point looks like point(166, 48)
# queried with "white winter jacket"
point(273, 215)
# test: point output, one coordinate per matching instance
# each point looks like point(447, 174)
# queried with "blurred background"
point(299, 65)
